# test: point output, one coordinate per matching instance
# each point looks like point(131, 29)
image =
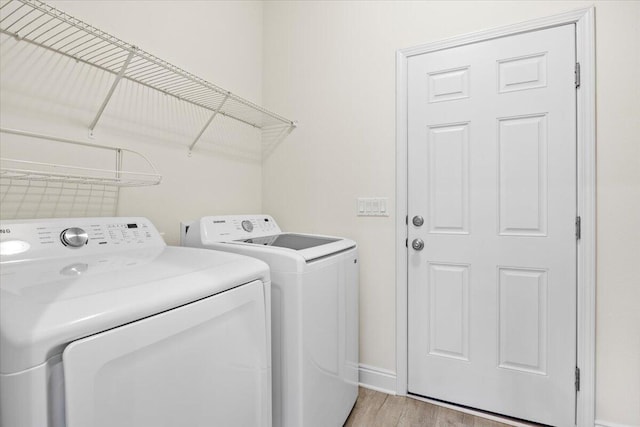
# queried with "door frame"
point(584, 20)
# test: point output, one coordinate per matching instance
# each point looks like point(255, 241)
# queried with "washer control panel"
point(61, 237)
point(235, 227)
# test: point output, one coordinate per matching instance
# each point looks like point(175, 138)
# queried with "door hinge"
point(578, 228)
point(577, 379)
point(577, 74)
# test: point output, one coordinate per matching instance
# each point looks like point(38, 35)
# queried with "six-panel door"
point(492, 155)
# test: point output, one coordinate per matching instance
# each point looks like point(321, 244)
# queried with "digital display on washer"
point(290, 241)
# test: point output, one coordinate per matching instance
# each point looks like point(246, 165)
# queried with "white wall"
point(331, 66)
point(219, 41)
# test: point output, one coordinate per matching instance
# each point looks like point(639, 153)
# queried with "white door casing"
point(492, 171)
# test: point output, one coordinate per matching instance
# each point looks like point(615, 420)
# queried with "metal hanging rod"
point(37, 23)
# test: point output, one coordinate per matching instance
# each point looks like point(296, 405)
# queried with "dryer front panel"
point(202, 364)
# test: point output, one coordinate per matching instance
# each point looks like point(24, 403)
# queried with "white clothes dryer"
point(103, 325)
point(314, 313)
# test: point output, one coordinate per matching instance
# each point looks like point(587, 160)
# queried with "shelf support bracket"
point(113, 89)
point(213, 116)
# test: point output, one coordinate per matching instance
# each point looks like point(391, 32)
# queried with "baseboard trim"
point(377, 379)
point(603, 423)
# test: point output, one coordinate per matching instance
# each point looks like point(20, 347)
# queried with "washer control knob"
point(247, 226)
point(74, 237)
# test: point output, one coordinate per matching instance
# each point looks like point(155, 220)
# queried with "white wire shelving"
point(52, 172)
point(36, 189)
point(26, 170)
point(40, 24)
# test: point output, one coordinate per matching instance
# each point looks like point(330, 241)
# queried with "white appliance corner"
point(377, 379)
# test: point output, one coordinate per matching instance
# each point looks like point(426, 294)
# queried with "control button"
point(247, 226)
point(74, 237)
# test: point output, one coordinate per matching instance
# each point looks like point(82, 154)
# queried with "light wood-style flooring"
point(375, 409)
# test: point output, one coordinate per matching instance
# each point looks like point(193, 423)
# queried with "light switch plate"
point(372, 206)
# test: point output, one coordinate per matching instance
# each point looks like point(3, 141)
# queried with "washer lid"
point(309, 247)
point(47, 303)
point(291, 241)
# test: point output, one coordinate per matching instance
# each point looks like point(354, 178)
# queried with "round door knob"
point(74, 237)
point(417, 220)
point(247, 226)
point(417, 244)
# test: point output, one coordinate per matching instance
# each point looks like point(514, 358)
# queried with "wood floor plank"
point(376, 409)
point(418, 414)
point(391, 411)
point(449, 418)
point(469, 420)
point(366, 408)
point(358, 407)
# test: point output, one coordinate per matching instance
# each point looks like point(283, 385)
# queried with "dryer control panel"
point(28, 239)
point(235, 227)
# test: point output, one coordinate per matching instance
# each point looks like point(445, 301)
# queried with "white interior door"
point(200, 365)
point(492, 170)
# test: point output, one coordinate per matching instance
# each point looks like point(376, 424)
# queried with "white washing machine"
point(103, 325)
point(314, 313)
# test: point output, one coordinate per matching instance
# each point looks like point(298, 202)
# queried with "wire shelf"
point(24, 199)
point(35, 22)
point(16, 169)
point(36, 189)
point(37, 171)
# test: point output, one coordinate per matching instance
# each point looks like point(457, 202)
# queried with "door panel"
point(492, 154)
point(523, 320)
point(448, 153)
point(522, 174)
point(449, 310)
